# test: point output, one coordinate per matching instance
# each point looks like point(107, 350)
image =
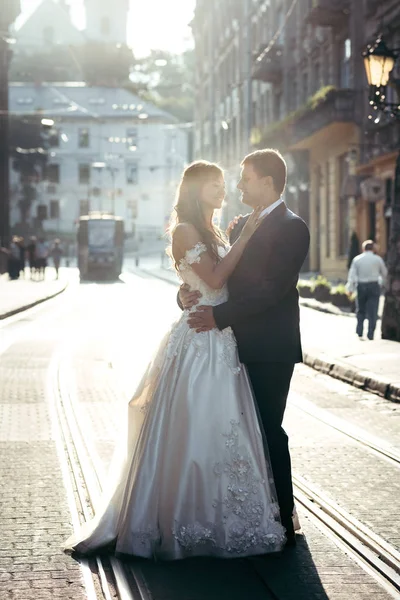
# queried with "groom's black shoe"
point(290, 541)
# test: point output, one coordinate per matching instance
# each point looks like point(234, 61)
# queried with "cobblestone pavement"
point(100, 393)
point(365, 485)
point(105, 335)
point(34, 514)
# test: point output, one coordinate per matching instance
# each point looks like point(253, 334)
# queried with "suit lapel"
point(269, 223)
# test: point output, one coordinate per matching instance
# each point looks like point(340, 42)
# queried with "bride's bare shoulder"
point(185, 237)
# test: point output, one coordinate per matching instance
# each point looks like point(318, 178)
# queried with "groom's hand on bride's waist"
point(188, 299)
point(202, 319)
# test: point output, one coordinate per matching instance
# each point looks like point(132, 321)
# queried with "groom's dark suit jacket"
point(263, 305)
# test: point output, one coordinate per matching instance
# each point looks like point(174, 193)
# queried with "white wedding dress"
point(192, 478)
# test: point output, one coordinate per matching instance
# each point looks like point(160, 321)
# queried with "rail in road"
point(107, 577)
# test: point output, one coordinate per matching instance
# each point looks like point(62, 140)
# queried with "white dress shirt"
point(366, 268)
point(270, 208)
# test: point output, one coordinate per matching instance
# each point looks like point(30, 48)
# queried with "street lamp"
point(379, 62)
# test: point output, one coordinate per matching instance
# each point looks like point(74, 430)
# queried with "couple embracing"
point(204, 466)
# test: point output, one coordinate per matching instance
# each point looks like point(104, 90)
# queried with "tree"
point(104, 64)
point(167, 80)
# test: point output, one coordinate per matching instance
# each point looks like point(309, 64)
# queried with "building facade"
point(289, 74)
point(110, 152)
point(50, 24)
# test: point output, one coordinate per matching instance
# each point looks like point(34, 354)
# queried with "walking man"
point(367, 275)
point(56, 254)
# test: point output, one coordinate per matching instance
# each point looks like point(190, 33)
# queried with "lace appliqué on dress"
point(195, 534)
point(242, 500)
point(229, 353)
point(192, 255)
point(247, 530)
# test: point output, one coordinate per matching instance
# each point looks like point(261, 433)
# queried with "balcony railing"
point(267, 66)
point(380, 140)
point(326, 107)
point(328, 13)
point(337, 107)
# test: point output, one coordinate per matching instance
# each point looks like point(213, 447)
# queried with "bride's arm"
point(214, 274)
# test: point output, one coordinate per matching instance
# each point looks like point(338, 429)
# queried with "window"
point(281, 26)
point(54, 209)
point(83, 207)
point(316, 67)
point(327, 211)
point(292, 91)
point(54, 138)
point(305, 86)
point(132, 137)
point(133, 206)
point(132, 173)
point(53, 173)
point(84, 138)
point(41, 212)
point(344, 212)
point(105, 26)
point(345, 64)
point(277, 105)
point(254, 119)
point(372, 220)
point(48, 35)
point(84, 173)
point(61, 102)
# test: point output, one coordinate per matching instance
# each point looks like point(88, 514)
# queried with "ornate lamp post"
point(379, 63)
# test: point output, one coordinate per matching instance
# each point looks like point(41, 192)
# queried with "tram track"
point(374, 555)
point(123, 580)
point(373, 444)
point(371, 551)
point(105, 577)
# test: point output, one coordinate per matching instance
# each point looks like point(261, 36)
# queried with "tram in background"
point(100, 246)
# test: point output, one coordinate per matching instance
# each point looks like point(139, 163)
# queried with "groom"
point(263, 308)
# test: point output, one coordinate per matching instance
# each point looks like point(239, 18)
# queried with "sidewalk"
point(330, 345)
point(21, 294)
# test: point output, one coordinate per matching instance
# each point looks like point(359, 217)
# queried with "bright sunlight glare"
point(152, 24)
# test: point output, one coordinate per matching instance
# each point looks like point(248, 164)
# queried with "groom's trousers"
point(271, 382)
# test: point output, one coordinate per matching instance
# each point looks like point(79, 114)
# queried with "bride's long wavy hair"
point(188, 207)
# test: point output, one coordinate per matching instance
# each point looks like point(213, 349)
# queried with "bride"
point(194, 477)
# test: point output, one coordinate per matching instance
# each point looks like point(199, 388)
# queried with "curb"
point(328, 309)
point(20, 309)
point(364, 380)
